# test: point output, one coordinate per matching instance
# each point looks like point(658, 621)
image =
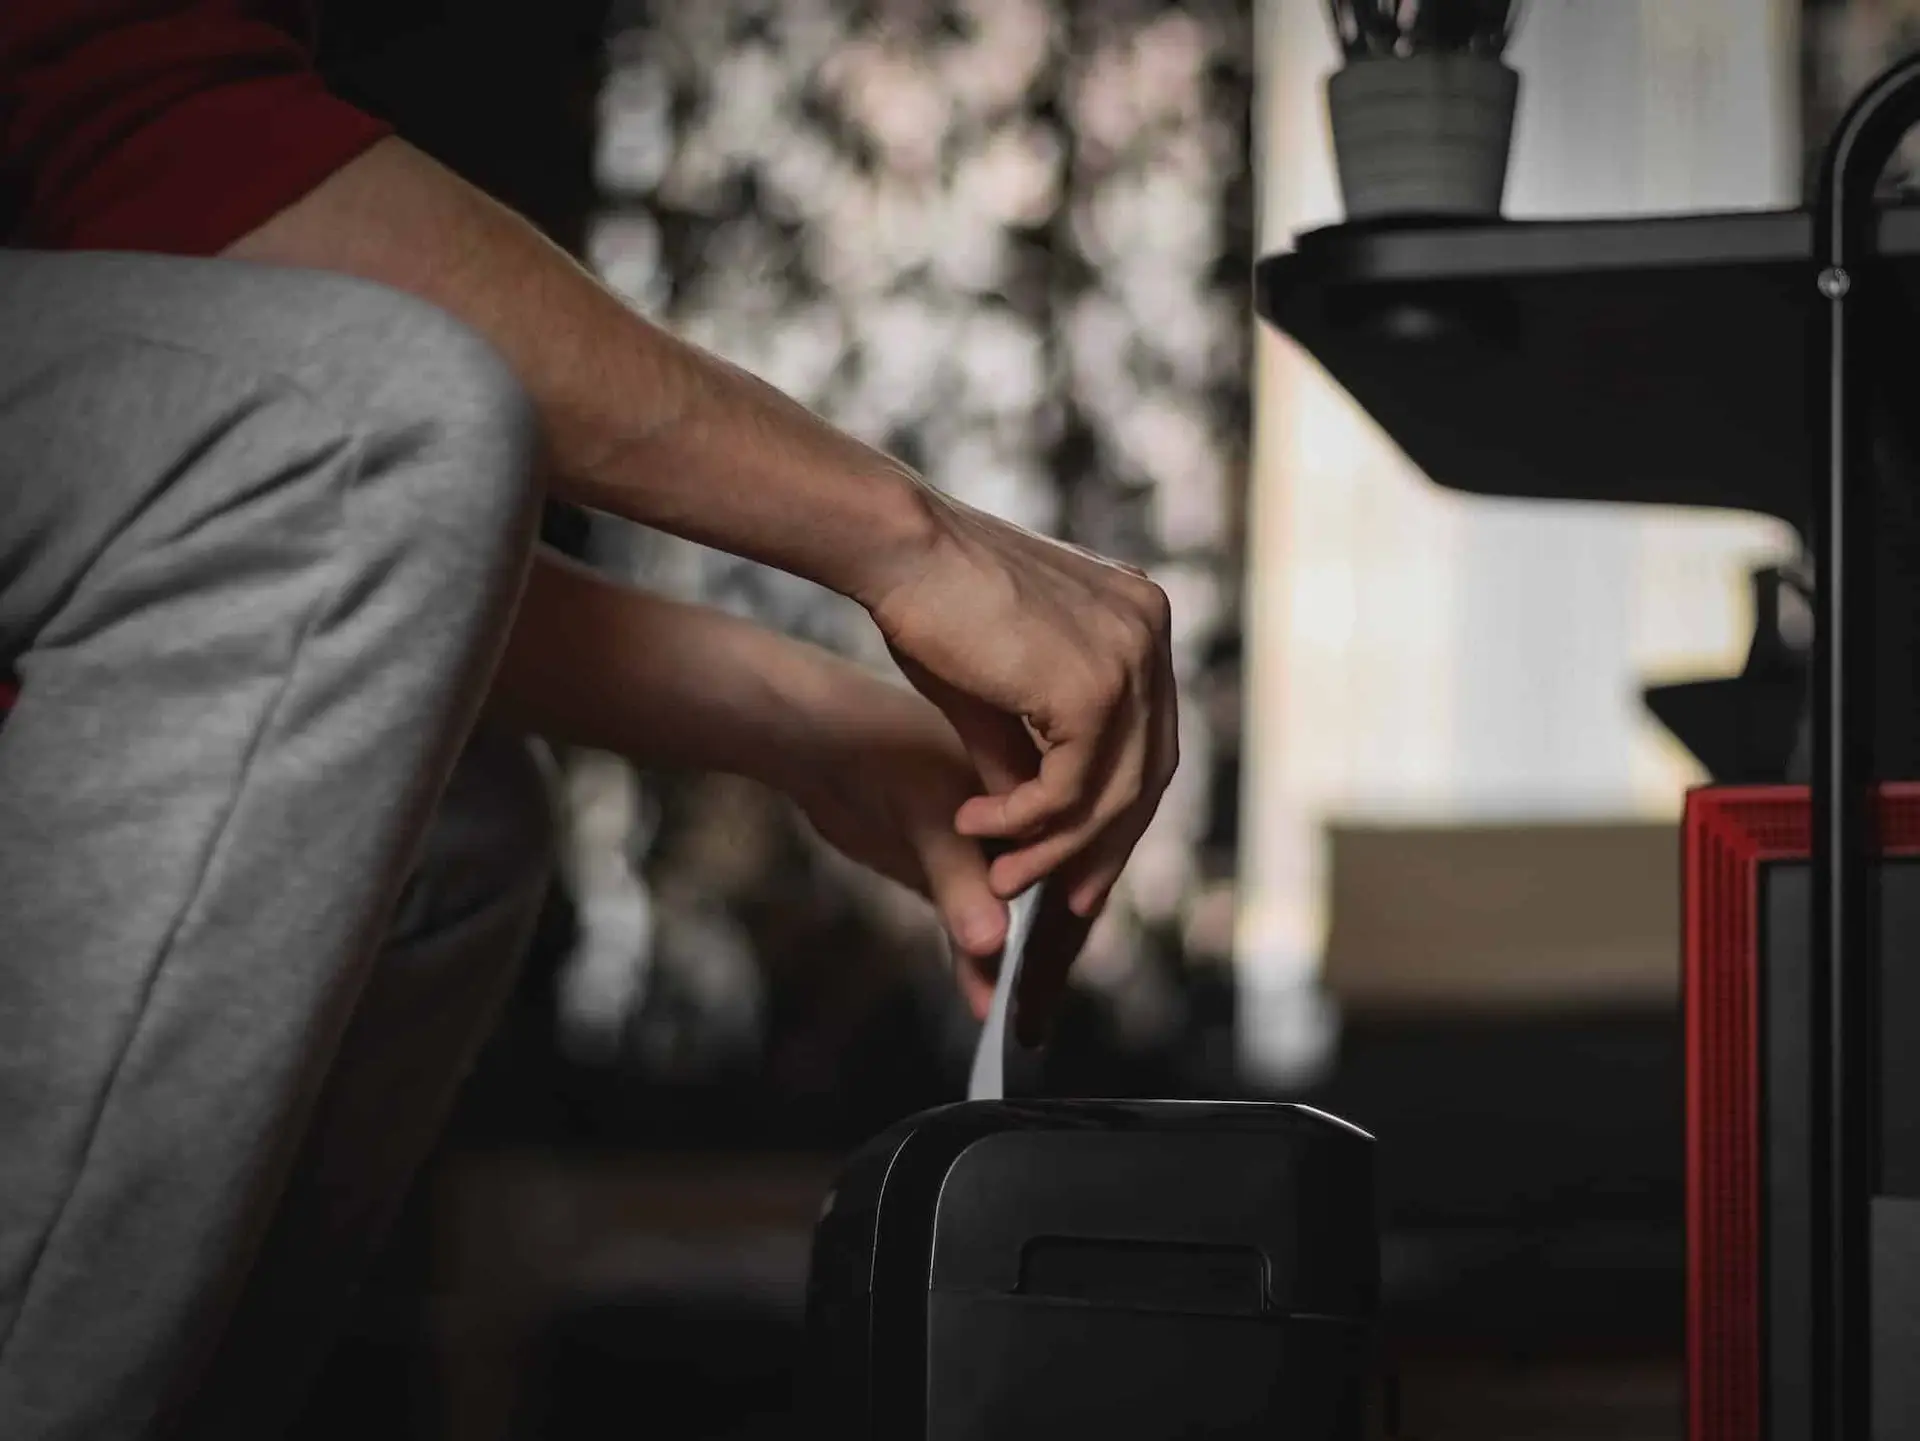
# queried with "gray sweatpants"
point(262, 883)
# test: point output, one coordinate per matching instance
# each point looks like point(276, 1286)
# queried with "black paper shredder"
point(1119, 1269)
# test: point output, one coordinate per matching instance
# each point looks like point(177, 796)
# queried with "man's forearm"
point(596, 663)
point(635, 421)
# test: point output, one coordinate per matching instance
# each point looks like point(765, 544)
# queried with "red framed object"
point(1729, 833)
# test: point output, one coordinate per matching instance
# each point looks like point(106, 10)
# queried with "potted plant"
point(1422, 107)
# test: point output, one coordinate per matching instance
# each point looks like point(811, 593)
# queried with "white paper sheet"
point(988, 1081)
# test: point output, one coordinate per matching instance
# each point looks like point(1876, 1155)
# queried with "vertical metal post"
point(1853, 299)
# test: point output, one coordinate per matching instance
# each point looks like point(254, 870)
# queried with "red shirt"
point(161, 125)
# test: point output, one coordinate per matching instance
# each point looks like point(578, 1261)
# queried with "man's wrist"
point(899, 525)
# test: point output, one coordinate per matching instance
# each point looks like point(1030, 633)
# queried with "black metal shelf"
point(1659, 361)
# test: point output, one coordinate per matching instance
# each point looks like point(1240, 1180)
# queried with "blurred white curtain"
point(1420, 653)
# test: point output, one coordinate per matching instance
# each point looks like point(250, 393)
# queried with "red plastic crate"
point(1730, 832)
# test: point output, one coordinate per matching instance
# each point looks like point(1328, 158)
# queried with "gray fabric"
point(260, 535)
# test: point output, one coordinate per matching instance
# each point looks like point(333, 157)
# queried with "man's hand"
point(876, 769)
point(879, 774)
point(1054, 668)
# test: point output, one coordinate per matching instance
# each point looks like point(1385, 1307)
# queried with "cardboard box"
point(1504, 917)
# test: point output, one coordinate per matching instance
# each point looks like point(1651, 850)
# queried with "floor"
point(585, 1299)
point(594, 1282)
point(1561, 1400)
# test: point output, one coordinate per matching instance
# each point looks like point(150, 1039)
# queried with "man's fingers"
point(1105, 711)
point(1089, 878)
point(1118, 793)
point(1015, 871)
point(975, 919)
point(1056, 791)
point(1083, 871)
point(956, 875)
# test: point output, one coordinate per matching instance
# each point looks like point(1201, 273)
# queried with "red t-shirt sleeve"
point(172, 127)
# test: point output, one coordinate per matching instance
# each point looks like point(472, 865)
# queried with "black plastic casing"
point(1121, 1269)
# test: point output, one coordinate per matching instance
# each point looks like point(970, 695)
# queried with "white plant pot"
point(1423, 134)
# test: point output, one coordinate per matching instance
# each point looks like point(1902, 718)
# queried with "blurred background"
point(1419, 866)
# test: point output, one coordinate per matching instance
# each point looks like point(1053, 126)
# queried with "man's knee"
point(442, 428)
point(289, 370)
point(375, 354)
point(242, 458)
point(430, 396)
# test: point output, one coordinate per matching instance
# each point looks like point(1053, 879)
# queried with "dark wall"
point(501, 91)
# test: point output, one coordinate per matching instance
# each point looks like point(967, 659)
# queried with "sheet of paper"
point(988, 1081)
